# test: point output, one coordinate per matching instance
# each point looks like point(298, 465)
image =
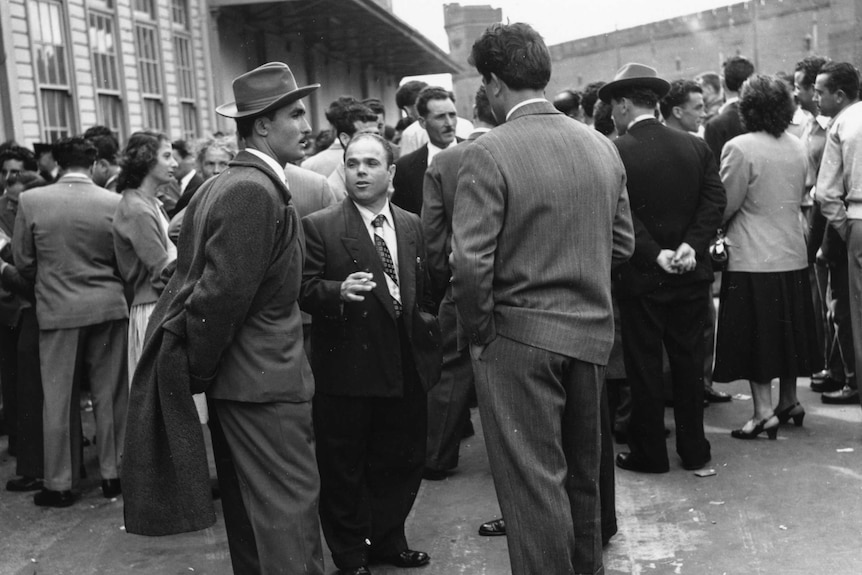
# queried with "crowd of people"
point(332, 306)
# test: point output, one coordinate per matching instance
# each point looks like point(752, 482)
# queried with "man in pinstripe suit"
point(541, 215)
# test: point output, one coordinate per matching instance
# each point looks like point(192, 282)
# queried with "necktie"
point(385, 256)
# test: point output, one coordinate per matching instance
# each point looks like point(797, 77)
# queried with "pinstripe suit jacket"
point(541, 215)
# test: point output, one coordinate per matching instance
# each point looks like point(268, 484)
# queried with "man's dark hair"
point(710, 79)
point(842, 76)
point(765, 105)
point(678, 95)
point(810, 67)
point(344, 112)
point(404, 123)
point(426, 95)
point(245, 126)
point(589, 98)
point(106, 148)
point(567, 101)
point(139, 157)
point(484, 113)
point(375, 105)
point(736, 70)
point(75, 152)
point(21, 154)
point(182, 148)
point(98, 130)
point(408, 92)
point(640, 97)
point(515, 53)
point(387, 147)
point(603, 120)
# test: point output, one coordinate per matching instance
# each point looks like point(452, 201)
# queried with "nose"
point(306, 127)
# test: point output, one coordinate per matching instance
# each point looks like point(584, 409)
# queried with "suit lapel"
point(360, 247)
point(406, 264)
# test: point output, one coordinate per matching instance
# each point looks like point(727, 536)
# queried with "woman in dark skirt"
point(766, 318)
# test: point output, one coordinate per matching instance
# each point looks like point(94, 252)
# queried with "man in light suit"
point(449, 401)
point(437, 115)
point(233, 298)
point(677, 202)
point(537, 227)
point(376, 351)
point(63, 242)
point(726, 125)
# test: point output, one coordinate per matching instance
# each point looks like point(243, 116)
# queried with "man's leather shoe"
point(695, 465)
point(493, 528)
point(358, 571)
point(712, 395)
point(111, 488)
point(631, 462)
point(24, 483)
point(844, 396)
point(821, 375)
point(826, 385)
point(407, 559)
point(434, 474)
point(50, 498)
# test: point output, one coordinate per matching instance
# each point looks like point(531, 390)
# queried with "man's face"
point(288, 133)
point(163, 171)
point(691, 112)
point(215, 161)
point(804, 95)
point(366, 173)
point(830, 103)
point(11, 170)
point(440, 122)
point(46, 162)
point(13, 192)
point(101, 172)
point(184, 165)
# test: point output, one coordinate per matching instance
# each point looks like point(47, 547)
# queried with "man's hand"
point(356, 284)
point(665, 262)
point(684, 259)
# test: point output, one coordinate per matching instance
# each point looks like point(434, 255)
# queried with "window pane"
point(185, 73)
point(111, 115)
point(154, 115)
point(149, 65)
point(103, 47)
point(190, 121)
point(180, 13)
point(57, 110)
point(48, 42)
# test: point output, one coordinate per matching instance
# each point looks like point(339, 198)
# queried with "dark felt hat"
point(265, 88)
point(634, 76)
point(39, 149)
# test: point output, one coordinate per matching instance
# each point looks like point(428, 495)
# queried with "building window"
point(103, 47)
point(186, 84)
point(147, 7)
point(52, 68)
point(150, 72)
point(180, 13)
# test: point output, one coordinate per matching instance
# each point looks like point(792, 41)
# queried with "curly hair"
point(515, 53)
point(765, 105)
point(138, 158)
point(810, 67)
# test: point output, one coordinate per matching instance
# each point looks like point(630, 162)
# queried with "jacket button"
point(365, 314)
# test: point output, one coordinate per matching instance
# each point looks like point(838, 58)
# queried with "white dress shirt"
point(389, 237)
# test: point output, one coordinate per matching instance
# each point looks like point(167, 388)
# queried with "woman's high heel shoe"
point(760, 427)
point(795, 412)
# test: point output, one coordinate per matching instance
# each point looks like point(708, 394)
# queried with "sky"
point(556, 20)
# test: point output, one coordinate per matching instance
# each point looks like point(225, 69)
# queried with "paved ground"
point(792, 506)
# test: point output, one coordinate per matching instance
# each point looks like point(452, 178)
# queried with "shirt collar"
point(639, 119)
point(76, 176)
point(270, 161)
point(727, 103)
point(434, 150)
point(368, 215)
point(186, 179)
point(522, 104)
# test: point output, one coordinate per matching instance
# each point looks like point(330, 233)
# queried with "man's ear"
point(343, 138)
point(677, 112)
point(261, 126)
point(494, 85)
point(421, 121)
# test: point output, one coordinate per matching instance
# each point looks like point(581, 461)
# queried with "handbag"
point(718, 251)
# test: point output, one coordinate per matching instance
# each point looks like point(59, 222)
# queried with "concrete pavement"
point(790, 506)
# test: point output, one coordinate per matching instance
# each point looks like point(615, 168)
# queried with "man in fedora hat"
point(233, 303)
point(677, 202)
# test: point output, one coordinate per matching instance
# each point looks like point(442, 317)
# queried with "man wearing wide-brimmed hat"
point(677, 203)
point(232, 302)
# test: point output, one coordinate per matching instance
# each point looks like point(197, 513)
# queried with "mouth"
point(362, 184)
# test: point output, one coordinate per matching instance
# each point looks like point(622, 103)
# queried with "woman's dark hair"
point(138, 158)
point(765, 105)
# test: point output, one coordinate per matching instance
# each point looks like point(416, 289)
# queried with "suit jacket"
point(227, 323)
point(11, 302)
point(541, 214)
point(64, 243)
point(722, 128)
point(676, 196)
point(409, 179)
point(438, 202)
point(188, 193)
point(355, 345)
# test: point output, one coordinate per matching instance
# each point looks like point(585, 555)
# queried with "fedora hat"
point(634, 75)
point(265, 88)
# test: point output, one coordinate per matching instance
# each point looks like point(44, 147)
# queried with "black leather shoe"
point(24, 484)
point(111, 488)
point(826, 385)
point(630, 462)
point(434, 474)
point(844, 396)
point(695, 465)
point(493, 528)
point(712, 395)
point(358, 571)
point(50, 498)
point(407, 559)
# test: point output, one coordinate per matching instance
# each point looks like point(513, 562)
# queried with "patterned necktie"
point(385, 256)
